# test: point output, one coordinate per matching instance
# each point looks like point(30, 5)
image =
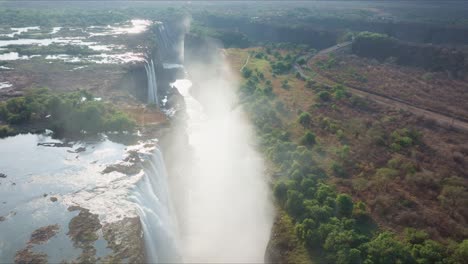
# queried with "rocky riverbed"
point(75, 209)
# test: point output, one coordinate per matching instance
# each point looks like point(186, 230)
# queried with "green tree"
point(324, 96)
point(428, 252)
point(246, 72)
point(119, 122)
point(294, 203)
point(354, 256)
point(280, 192)
point(308, 139)
point(386, 249)
point(461, 252)
point(344, 205)
point(306, 231)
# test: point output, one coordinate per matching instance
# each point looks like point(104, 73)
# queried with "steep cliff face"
point(316, 38)
point(414, 32)
point(166, 52)
point(149, 80)
point(433, 58)
point(321, 33)
point(273, 32)
point(135, 81)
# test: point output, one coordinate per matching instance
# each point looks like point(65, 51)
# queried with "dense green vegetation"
point(229, 38)
point(6, 130)
point(325, 219)
point(65, 114)
point(372, 36)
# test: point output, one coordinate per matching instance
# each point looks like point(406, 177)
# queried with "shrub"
point(259, 55)
point(246, 72)
point(280, 67)
point(324, 96)
point(404, 138)
point(423, 179)
point(310, 83)
point(340, 135)
point(415, 236)
point(308, 139)
point(338, 169)
point(6, 130)
point(387, 172)
point(119, 122)
point(453, 198)
point(305, 119)
point(359, 102)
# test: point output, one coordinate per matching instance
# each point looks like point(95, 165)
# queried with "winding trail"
point(437, 116)
point(245, 64)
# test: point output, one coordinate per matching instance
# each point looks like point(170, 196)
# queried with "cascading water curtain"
point(152, 83)
point(151, 196)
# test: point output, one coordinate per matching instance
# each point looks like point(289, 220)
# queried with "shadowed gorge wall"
point(433, 58)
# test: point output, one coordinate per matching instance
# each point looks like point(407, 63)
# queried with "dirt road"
point(440, 118)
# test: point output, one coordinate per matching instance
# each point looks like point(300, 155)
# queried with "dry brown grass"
point(435, 91)
point(398, 203)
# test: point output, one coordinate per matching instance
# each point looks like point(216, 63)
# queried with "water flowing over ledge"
point(152, 83)
point(156, 213)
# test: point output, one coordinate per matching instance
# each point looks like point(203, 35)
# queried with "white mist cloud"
point(226, 213)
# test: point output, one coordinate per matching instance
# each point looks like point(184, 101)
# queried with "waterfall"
point(152, 84)
point(225, 211)
point(171, 44)
point(153, 202)
point(165, 38)
point(151, 194)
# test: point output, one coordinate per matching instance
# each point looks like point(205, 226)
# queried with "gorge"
point(214, 186)
point(233, 132)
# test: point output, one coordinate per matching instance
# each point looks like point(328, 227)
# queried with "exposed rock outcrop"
point(27, 256)
point(125, 238)
point(39, 236)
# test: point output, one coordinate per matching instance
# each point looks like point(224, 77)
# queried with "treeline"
point(229, 38)
point(26, 17)
point(326, 220)
point(267, 30)
point(433, 58)
point(66, 114)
